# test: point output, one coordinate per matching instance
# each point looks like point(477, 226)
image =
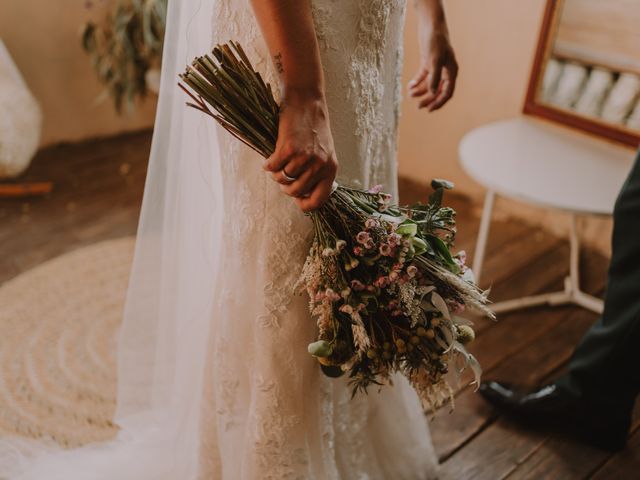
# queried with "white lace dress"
point(270, 413)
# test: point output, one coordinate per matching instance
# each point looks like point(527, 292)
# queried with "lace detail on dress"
point(323, 21)
point(277, 417)
point(277, 457)
point(288, 236)
point(367, 82)
point(227, 387)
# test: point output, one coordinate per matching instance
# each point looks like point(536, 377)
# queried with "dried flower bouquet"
point(384, 287)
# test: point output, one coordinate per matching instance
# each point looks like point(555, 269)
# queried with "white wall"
point(43, 37)
point(495, 41)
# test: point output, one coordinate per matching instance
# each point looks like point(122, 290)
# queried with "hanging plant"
point(126, 48)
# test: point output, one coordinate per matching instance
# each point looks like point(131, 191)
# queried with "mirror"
point(586, 72)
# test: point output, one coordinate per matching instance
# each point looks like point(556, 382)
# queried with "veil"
point(169, 313)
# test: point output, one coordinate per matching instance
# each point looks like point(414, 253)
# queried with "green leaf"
point(321, 348)
point(408, 228)
point(419, 246)
point(442, 250)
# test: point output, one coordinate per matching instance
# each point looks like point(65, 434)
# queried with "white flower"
point(328, 252)
point(331, 295)
point(348, 309)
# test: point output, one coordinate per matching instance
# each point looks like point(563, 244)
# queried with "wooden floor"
point(98, 188)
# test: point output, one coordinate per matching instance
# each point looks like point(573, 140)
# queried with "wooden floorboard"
point(97, 192)
point(625, 465)
point(98, 188)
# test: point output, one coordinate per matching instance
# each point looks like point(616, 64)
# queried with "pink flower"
point(412, 270)
point(385, 249)
point(357, 285)
point(357, 250)
point(363, 237)
point(384, 199)
point(376, 189)
point(371, 223)
point(369, 244)
point(381, 282)
point(393, 276)
point(456, 307)
point(394, 239)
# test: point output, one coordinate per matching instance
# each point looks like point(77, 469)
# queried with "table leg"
point(571, 295)
point(578, 297)
point(483, 234)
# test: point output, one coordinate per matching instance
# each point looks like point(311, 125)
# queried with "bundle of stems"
point(382, 281)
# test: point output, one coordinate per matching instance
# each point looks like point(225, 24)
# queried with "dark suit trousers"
point(605, 367)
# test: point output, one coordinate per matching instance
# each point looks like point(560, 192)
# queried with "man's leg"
point(596, 396)
point(604, 367)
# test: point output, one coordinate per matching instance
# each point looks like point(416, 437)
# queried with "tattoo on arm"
point(278, 62)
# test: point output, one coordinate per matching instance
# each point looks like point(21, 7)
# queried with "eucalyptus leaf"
point(441, 305)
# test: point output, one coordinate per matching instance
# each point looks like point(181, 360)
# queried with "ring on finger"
point(287, 177)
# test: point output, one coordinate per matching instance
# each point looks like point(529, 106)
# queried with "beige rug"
point(58, 323)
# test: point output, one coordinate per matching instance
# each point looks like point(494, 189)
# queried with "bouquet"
point(383, 285)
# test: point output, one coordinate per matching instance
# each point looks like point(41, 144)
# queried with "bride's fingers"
point(290, 172)
point(318, 196)
point(446, 90)
point(419, 89)
point(419, 78)
point(279, 177)
point(305, 183)
point(276, 161)
point(443, 97)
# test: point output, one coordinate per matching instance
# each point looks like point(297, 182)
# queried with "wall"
point(43, 37)
point(495, 42)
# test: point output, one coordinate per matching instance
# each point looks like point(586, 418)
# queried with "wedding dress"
point(215, 381)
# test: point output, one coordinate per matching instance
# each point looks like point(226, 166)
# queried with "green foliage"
point(125, 45)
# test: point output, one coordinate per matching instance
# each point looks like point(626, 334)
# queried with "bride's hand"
point(304, 162)
point(435, 81)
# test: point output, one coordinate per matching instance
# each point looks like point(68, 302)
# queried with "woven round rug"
point(57, 348)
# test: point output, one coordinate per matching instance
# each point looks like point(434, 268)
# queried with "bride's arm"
point(435, 81)
point(305, 148)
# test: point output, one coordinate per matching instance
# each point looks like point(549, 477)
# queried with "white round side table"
point(548, 166)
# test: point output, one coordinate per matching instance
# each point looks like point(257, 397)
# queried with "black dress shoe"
point(603, 426)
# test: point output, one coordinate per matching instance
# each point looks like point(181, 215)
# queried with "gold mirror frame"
point(535, 108)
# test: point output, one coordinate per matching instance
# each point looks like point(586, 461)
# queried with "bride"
point(214, 380)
